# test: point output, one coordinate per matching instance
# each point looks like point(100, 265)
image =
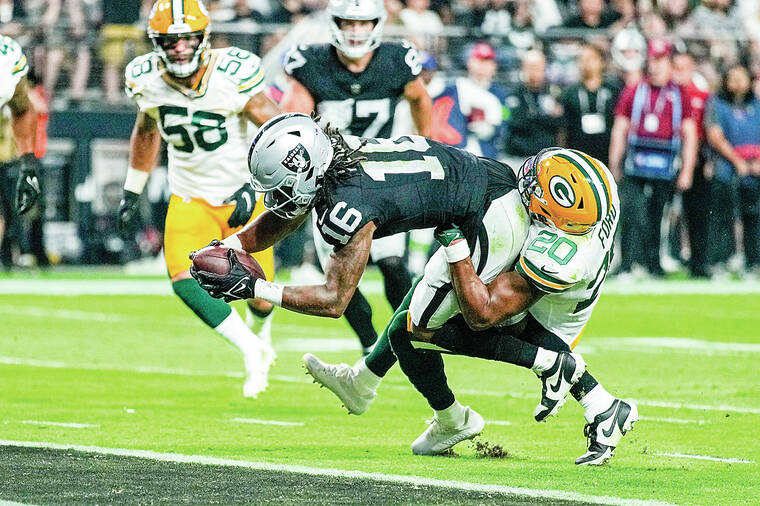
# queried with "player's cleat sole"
point(556, 383)
point(438, 438)
point(340, 379)
point(606, 431)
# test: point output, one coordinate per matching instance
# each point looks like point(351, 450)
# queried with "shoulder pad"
point(298, 56)
point(139, 72)
point(11, 52)
point(241, 67)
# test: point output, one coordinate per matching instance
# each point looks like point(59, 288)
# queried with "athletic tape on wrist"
point(136, 180)
point(233, 242)
point(457, 251)
point(270, 292)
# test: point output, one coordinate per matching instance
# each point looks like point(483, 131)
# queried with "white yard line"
point(316, 471)
point(268, 422)
point(305, 379)
point(61, 424)
point(498, 422)
point(671, 420)
point(705, 457)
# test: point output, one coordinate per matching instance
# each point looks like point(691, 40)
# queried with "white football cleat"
point(438, 438)
point(606, 431)
point(340, 379)
point(557, 382)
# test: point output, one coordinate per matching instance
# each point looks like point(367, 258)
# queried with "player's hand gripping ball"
point(225, 272)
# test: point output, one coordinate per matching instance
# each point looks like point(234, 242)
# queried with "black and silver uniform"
point(409, 183)
point(358, 103)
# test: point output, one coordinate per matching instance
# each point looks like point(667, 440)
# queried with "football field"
point(112, 391)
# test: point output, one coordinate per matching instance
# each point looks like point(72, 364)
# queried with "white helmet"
point(629, 49)
point(287, 160)
point(356, 45)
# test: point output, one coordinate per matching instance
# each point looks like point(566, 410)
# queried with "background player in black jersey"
point(360, 188)
point(354, 84)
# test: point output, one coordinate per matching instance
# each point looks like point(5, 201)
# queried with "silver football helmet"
point(287, 160)
point(352, 44)
point(629, 49)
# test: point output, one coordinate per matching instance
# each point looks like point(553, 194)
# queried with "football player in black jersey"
point(362, 188)
point(354, 84)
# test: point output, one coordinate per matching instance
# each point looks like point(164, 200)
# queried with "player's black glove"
point(28, 186)
point(235, 285)
point(245, 200)
point(128, 209)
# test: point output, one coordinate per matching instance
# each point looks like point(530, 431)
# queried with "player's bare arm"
point(24, 117)
point(421, 105)
point(265, 231)
point(260, 108)
point(24, 125)
point(144, 144)
point(343, 272)
point(297, 98)
point(484, 306)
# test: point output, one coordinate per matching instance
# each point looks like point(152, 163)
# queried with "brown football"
point(215, 260)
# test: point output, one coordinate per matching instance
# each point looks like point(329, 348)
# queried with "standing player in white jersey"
point(202, 102)
point(14, 92)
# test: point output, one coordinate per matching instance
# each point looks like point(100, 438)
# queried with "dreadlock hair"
point(342, 166)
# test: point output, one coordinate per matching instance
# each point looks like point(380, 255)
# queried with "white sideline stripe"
point(268, 422)
point(162, 286)
point(61, 424)
point(671, 420)
point(705, 457)
point(305, 379)
point(316, 471)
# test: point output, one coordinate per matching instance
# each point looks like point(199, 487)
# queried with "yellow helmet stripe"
point(591, 180)
point(602, 177)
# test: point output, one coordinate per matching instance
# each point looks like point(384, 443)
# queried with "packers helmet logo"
point(561, 191)
point(298, 160)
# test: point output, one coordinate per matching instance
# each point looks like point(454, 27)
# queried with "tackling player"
point(354, 84)
point(201, 101)
point(14, 92)
point(365, 188)
point(574, 208)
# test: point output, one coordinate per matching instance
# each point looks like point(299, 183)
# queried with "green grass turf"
point(100, 342)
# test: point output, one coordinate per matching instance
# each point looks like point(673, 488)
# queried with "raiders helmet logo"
point(561, 191)
point(298, 160)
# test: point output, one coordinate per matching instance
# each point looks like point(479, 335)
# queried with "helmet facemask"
point(351, 43)
point(286, 201)
point(163, 44)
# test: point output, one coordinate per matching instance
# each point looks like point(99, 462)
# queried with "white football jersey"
point(569, 270)
point(13, 67)
point(206, 134)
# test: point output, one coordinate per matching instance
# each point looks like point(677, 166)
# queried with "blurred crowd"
point(663, 91)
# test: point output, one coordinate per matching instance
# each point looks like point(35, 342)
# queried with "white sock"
point(365, 377)
point(234, 329)
point(453, 416)
point(544, 360)
point(596, 401)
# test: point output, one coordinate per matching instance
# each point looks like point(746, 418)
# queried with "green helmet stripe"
point(600, 176)
point(591, 180)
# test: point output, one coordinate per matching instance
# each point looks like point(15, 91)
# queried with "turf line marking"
point(705, 457)
point(498, 422)
point(296, 379)
point(317, 471)
point(268, 422)
point(671, 420)
point(61, 424)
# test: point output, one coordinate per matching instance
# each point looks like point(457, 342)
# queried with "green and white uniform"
point(13, 67)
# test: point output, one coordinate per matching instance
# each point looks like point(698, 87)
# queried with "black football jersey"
point(408, 183)
point(357, 103)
